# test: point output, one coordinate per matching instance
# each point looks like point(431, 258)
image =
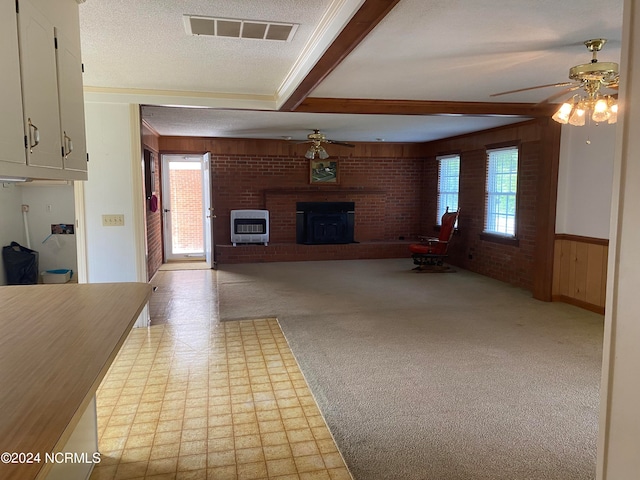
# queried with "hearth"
point(323, 223)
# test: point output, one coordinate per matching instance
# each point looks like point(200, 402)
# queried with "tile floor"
point(194, 398)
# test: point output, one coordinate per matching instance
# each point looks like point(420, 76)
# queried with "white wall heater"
point(249, 226)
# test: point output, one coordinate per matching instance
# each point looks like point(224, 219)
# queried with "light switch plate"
point(113, 220)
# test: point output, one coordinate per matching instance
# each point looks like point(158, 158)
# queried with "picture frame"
point(324, 172)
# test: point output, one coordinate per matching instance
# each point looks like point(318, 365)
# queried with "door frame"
point(207, 211)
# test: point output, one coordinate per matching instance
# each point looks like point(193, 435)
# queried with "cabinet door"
point(39, 87)
point(71, 104)
point(11, 119)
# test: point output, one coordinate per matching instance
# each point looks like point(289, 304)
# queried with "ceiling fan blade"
point(345, 144)
point(561, 84)
point(559, 94)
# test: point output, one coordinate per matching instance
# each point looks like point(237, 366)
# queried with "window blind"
point(448, 184)
point(501, 191)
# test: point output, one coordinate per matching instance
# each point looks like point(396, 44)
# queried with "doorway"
point(187, 211)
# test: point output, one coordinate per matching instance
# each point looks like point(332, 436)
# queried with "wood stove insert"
point(324, 223)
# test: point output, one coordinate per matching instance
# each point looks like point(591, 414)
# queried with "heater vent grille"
point(235, 28)
point(249, 226)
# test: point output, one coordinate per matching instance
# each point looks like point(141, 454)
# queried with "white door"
point(207, 211)
point(183, 202)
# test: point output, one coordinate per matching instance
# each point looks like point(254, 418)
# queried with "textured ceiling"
point(467, 50)
point(143, 44)
point(442, 50)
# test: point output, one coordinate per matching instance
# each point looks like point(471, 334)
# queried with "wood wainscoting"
point(580, 271)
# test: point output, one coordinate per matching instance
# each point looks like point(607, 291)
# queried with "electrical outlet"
point(112, 220)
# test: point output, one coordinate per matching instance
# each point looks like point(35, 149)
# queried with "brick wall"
point(394, 188)
point(508, 262)
point(386, 193)
point(153, 219)
point(186, 211)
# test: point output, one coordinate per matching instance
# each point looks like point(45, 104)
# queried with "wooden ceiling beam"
point(423, 107)
point(365, 19)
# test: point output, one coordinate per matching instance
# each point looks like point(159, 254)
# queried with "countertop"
point(56, 344)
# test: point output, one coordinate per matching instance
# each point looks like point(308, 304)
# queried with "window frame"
point(504, 237)
point(439, 193)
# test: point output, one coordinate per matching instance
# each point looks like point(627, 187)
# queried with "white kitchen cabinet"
point(39, 88)
point(12, 148)
point(43, 100)
point(71, 104)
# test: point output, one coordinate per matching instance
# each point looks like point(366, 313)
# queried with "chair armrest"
point(429, 240)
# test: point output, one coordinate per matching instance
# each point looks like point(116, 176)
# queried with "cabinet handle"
point(68, 145)
point(34, 139)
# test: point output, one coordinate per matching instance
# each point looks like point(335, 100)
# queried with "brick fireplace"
point(372, 224)
point(383, 181)
point(324, 223)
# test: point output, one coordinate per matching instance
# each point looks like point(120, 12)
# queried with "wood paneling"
point(149, 136)
point(580, 271)
point(282, 148)
point(546, 199)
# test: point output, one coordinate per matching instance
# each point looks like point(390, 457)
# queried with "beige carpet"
point(193, 265)
point(434, 377)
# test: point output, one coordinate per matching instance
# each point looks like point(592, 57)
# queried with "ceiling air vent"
point(234, 28)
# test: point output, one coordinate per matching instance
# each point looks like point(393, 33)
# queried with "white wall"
point(60, 250)
point(115, 254)
point(619, 431)
point(585, 180)
point(111, 251)
point(51, 205)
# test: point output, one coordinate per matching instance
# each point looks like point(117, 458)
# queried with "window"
point(448, 184)
point(502, 185)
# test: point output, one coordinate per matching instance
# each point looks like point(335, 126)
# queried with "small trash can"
point(20, 264)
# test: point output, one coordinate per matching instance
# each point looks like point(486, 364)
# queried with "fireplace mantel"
point(328, 190)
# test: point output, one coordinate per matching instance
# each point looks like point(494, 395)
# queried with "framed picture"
point(149, 173)
point(324, 172)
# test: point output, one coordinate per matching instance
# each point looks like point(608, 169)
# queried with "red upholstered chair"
point(431, 252)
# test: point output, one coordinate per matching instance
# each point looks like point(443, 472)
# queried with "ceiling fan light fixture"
point(577, 116)
point(601, 111)
point(316, 149)
point(601, 108)
point(322, 153)
point(563, 113)
point(613, 108)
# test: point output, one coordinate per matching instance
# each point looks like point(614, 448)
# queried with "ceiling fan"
point(591, 77)
point(316, 139)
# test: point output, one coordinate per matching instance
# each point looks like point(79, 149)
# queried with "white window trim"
point(440, 207)
point(490, 227)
